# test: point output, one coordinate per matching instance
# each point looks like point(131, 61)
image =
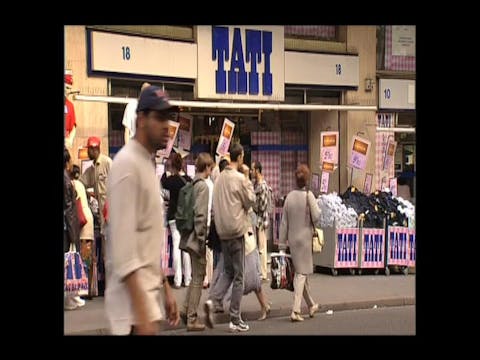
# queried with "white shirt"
point(210, 199)
point(130, 116)
point(136, 236)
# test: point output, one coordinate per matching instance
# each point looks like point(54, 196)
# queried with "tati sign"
point(359, 153)
point(329, 146)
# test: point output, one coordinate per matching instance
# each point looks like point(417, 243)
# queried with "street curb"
point(282, 312)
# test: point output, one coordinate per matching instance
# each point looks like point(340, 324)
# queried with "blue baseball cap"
point(154, 98)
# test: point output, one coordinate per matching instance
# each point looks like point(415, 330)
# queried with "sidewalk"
point(337, 293)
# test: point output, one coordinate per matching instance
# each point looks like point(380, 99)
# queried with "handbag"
point(317, 239)
point(82, 219)
point(282, 271)
point(75, 277)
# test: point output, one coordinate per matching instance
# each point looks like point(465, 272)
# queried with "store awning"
point(231, 105)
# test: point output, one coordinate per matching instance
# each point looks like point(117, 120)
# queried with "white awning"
point(230, 105)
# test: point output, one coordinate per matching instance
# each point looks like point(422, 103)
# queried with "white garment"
point(210, 200)
point(130, 116)
point(177, 258)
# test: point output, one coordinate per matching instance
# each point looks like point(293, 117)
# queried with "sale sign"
point(359, 153)
point(172, 134)
point(329, 146)
point(389, 154)
point(225, 137)
point(324, 182)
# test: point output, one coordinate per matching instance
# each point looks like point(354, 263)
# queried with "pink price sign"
point(359, 153)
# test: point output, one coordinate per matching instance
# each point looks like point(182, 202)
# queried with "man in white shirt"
point(134, 300)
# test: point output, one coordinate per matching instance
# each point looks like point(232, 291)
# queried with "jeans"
point(233, 251)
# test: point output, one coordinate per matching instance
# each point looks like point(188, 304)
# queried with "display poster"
point(185, 132)
point(389, 153)
point(191, 170)
point(83, 153)
point(172, 133)
point(367, 187)
point(225, 137)
point(329, 146)
point(324, 182)
point(359, 153)
point(327, 166)
point(393, 186)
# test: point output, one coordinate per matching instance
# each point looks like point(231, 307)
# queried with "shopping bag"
point(75, 277)
point(282, 271)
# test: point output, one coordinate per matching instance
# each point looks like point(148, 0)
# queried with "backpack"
point(184, 213)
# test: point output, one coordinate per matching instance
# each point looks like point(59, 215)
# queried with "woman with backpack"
point(173, 181)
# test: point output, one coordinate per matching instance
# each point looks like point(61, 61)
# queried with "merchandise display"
point(334, 210)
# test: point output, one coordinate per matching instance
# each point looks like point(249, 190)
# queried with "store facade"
point(206, 68)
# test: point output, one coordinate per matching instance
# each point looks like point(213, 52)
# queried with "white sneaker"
point(79, 301)
point(241, 326)
point(70, 304)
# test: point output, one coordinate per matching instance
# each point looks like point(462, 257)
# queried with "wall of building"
point(362, 41)
point(91, 117)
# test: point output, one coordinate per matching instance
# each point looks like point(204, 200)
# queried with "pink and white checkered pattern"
point(289, 164)
point(372, 252)
point(346, 247)
point(320, 31)
point(399, 63)
point(270, 160)
point(265, 138)
point(381, 140)
point(116, 138)
point(397, 253)
point(412, 245)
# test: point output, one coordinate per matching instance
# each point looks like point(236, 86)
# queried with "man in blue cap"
point(133, 298)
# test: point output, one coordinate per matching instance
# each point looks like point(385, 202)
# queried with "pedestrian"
point(96, 177)
point(133, 299)
point(200, 230)
point(71, 228)
point(87, 239)
point(296, 227)
point(260, 208)
point(232, 197)
point(173, 180)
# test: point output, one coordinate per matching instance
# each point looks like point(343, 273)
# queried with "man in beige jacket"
point(232, 197)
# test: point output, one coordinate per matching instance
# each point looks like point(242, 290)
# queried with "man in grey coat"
point(200, 213)
point(233, 195)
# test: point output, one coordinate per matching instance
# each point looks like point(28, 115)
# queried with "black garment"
point(173, 184)
point(72, 231)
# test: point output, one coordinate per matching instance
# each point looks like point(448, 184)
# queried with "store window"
point(405, 156)
point(396, 48)
point(319, 32)
point(131, 89)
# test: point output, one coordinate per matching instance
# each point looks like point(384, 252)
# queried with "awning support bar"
point(229, 105)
